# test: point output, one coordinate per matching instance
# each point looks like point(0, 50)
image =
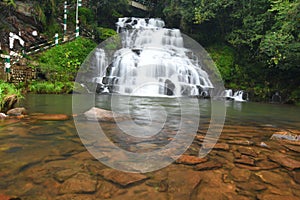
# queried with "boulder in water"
point(3, 115)
point(99, 114)
point(16, 111)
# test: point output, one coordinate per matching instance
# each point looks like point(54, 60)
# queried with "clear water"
point(32, 152)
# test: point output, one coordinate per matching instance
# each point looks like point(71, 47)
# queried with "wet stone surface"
point(46, 160)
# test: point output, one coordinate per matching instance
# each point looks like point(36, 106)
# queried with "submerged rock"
point(285, 161)
point(210, 165)
point(240, 175)
point(190, 160)
point(122, 178)
point(50, 117)
point(183, 184)
point(79, 184)
point(16, 111)
point(103, 115)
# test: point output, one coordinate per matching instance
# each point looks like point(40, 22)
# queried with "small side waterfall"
point(239, 95)
point(152, 62)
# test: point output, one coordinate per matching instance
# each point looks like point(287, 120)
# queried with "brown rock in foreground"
point(190, 160)
point(210, 165)
point(218, 146)
point(50, 117)
point(296, 176)
point(285, 161)
point(247, 151)
point(79, 184)
point(245, 160)
point(240, 175)
point(182, 185)
point(275, 197)
point(273, 178)
point(122, 178)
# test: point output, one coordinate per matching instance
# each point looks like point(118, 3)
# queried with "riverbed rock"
point(122, 178)
point(190, 160)
point(252, 185)
point(275, 197)
point(247, 151)
point(16, 111)
point(285, 161)
point(210, 165)
point(240, 175)
point(81, 183)
point(99, 114)
point(182, 184)
point(218, 146)
point(241, 142)
point(267, 165)
point(293, 148)
point(50, 117)
point(246, 160)
point(273, 178)
point(63, 175)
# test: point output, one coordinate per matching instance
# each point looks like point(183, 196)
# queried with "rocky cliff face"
point(19, 19)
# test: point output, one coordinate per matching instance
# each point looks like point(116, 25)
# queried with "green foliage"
point(61, 63)
point(8, 89)
point(223, 56)
point(105, 33)
point(47, 87)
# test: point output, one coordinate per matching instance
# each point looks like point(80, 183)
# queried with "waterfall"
point(239, 95)
point(153, 62)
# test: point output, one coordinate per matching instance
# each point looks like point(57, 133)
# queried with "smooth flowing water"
point(46, 159)
point(151, 61)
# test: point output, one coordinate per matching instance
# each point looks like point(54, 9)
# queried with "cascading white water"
point(154, 62)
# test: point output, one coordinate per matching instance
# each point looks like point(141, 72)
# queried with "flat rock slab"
point(81, 183)
point(267, 165)
point(241, 142)
point(247, 151)
point(190, 160)
point(182, 184)
point(252, 185)
point(63, 175)
point(293, 148)
point(276, 197)
point(210, 165)
point(240, 175)
point(122, 178)
point(246, 160)
point(218, 146)
point(50, 117)
point(273, 178)
point(296, 176)
point(75, 197)
point(285, 161)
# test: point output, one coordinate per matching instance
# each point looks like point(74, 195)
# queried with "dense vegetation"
point(255, 44)
point(58, 66)
point(262, 35)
